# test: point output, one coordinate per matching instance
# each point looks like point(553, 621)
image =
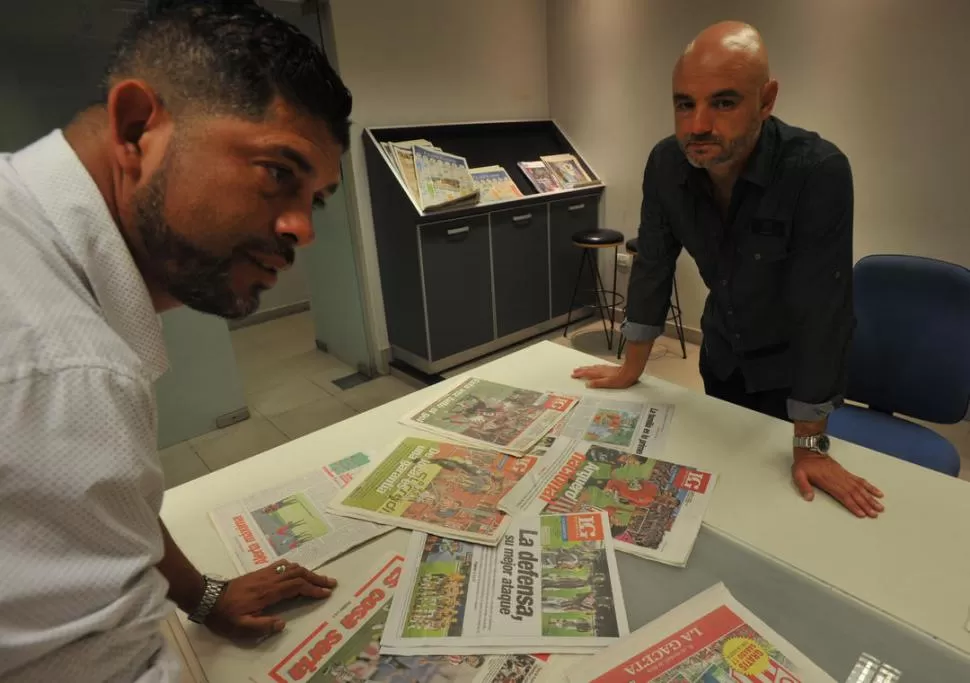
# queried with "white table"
point(913, 563)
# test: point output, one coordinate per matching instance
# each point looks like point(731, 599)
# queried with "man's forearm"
point(637, 354)
point(184, 580)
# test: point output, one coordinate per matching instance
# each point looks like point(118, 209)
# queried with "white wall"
point(434, 61)
point(883, 79)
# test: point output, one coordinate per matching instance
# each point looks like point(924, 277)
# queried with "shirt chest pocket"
point(765, 241)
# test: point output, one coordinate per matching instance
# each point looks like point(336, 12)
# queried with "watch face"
point(823, 443)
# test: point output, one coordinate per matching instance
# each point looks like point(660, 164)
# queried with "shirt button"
point(724, 283)
point(757, 257)
point(730, 311)
point(737, 335)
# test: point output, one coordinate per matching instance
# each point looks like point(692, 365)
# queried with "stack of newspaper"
point(491, 415)
point(556, 172)
point(550, 586)
point(344, 646)
point(445, 488)
point(291, 521)
point(435, 179)
point(708, 639)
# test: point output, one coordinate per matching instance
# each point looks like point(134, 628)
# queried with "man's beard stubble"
point(730, 150)
point(195, 277)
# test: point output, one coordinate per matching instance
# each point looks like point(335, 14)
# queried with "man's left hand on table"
point(813, 470)
point(239, 611)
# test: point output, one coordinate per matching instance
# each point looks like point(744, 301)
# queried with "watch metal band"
point(212, 589)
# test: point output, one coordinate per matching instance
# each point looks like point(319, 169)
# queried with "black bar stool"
point(674, 315)
point(590, 241)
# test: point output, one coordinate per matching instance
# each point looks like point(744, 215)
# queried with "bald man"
point(765, 209)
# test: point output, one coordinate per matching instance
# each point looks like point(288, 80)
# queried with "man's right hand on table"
point(617, 376)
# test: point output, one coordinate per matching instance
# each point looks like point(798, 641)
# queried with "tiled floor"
point(290, 392)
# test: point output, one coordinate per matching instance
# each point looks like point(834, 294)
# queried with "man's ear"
point(138, 125)
point(769, 93)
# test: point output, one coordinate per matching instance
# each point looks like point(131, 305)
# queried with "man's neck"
point(86, 135)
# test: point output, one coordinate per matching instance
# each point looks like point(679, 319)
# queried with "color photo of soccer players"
point(577, 599)
point(438, 601)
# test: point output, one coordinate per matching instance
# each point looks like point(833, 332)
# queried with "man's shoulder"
point(50, 318)
point(802, 149)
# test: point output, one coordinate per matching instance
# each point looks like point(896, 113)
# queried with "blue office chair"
point(910, 355)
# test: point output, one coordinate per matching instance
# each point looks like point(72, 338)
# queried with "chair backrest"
point(911, 349)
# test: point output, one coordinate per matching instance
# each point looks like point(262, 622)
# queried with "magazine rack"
point(462, 283)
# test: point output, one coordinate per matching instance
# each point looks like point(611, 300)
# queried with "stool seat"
point(631, 245)
point(598, 238)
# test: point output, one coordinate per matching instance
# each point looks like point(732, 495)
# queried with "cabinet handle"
point(575, 207)
point(522, 217)
point(458, 231)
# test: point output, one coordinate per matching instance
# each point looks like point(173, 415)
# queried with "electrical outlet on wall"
point(624, 261)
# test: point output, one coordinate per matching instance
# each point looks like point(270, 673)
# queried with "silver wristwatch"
point(212, 589)
point(819, 443)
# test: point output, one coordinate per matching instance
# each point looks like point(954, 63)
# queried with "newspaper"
point(655, 508)
point(344, 647)
point(494, 184)
point(493, 415)
point(711, 638)
point(442, 178)
point(543, 179)
point(568, 170)
point(290, 521)
point(551, 586)
point(404, 160)
point(444, 488)
point(634, 427)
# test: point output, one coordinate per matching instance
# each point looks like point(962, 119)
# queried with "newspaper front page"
point(633, 427)
point(345, 647)
point(494, 184)
point(428, 485)
point(655, 508)
point(442, 178)
point(711, 638)
point(493, 415)
point(550, 586)
point(291, 522)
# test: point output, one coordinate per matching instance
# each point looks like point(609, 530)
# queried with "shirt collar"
point(74, 204)
point(757, 170)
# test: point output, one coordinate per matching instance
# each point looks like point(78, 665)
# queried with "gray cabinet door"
point(520, 267)
point(567, 217)
point(456, 268)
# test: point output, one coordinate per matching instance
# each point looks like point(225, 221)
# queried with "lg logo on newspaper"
point(692, 480)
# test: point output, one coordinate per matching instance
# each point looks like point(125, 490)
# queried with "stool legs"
point(589, 257)
point(679, 321)
point(572, 299)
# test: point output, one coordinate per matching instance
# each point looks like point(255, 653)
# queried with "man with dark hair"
point(766, 211)
point(190, 184)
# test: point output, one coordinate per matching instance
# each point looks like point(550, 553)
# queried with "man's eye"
point(683, 106)
point(724, 104)
point(280, 174)
point(319, 203)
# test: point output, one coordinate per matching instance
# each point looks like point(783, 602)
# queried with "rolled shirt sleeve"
point(652, 275)
point(819, 290)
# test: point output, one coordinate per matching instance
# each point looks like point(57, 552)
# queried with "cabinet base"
point(435, 367)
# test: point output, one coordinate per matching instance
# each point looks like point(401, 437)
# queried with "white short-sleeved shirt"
point(80, 482)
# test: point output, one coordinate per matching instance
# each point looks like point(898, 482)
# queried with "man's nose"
point(298, 225)
point(701, 120)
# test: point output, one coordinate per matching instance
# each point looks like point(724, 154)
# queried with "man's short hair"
point(229, 57)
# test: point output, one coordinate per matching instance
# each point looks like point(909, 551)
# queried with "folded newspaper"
point(428, 485)
point(711, 638)
point(290, 521)
point(493, 415)
point(551, 586)
point(443, 179)
point(634, 427)
point(655, 508)
point(344, 647)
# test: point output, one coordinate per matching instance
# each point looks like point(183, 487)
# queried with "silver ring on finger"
point(281, 569)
